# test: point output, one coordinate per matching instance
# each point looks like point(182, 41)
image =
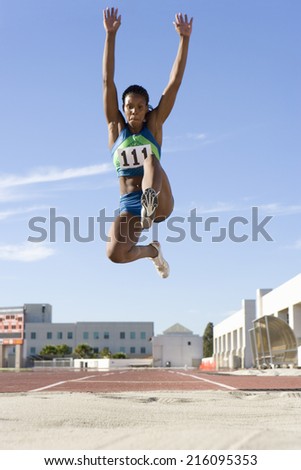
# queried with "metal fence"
point(55, 362)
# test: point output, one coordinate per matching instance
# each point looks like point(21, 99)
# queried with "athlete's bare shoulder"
point(154, 126)
point(114, 129)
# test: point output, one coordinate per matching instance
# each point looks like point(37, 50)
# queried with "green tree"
point(208, 340)
point(48, 350)
point(84, 351)
point(63, 350)
point(105, 353)
point(60, 350)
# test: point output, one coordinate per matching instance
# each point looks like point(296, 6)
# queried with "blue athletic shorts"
point(131, 203)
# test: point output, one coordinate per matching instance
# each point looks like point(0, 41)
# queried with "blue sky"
point(231, 143)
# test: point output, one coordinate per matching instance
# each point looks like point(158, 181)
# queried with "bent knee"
point(117, 253)
point(114, 258)
point(114, 254)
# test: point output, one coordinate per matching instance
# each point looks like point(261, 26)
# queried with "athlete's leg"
point(165, 199)
point(152, 177)
point(156, 192)
point(123, 237)
point(122, 248)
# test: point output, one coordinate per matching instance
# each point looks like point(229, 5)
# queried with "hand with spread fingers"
point(111, 20)
point(182, 25)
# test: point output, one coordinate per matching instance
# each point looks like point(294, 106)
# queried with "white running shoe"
point(149, 203)
point(160, 263)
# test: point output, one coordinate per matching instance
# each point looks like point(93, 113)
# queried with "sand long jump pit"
point(148, 409)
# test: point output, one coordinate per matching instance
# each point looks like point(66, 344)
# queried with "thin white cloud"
point(201, 209)
point(185, 142)
point(8, 195)
point(44, 175)
point(25, 252)
point(281, 209)
point(6, 214)
point(273, 209)
point(294, 246)
point(196, 136)
point(218, 207)
point(19, 211)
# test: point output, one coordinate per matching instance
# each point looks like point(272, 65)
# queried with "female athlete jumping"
point(135, 140)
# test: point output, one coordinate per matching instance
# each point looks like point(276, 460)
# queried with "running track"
point(140, 380)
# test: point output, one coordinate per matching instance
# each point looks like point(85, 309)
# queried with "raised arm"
point(183, 28)
point(111, 22)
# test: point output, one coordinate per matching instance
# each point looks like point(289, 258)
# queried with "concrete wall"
point(11, 356)
point(283, 302)
point(232, 348)
point(108, 364)
point(179, 349)
point(38, 313)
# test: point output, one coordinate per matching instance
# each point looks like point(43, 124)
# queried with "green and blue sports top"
point(124, 153)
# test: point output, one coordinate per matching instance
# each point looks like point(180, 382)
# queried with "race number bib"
point(132, 157)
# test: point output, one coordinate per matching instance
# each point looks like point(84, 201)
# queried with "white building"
point(231, 340)
point(25, 331)
point(276, 335)
point(177, 347)
point(131, 338)
point(284, 302)
point(266, 331)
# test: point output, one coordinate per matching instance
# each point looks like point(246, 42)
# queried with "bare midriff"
point(129, 184)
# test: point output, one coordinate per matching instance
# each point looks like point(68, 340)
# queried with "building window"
point(122, 335)
point(132, 350)
point(32, 350)
point(132, 335)
point(59, 335)
point(142, 350)
point(33, 335)
point(69, 335)
point(96, 350)
point(95, 335)
point(142, 335)
point(49, 335)
point(106, 335)
point(122, 349)
point(85, 335)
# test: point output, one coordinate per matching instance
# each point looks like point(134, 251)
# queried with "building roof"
point(177, 329)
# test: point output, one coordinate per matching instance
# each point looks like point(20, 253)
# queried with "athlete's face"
point(135, 109)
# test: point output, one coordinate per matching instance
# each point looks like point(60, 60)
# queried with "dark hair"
point(137, 90)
